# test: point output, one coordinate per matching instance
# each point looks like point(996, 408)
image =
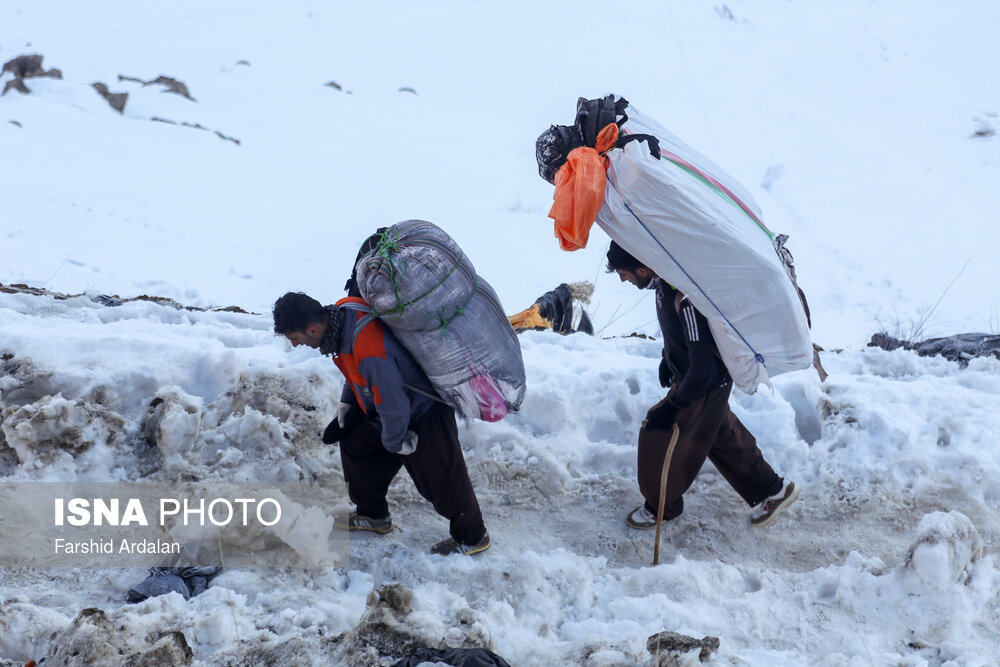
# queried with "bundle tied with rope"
point(421, 284)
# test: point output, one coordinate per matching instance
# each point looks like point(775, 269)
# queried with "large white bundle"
point(421, 284)
point(699, 230)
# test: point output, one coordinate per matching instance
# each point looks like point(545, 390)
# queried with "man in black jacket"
point(698, 403)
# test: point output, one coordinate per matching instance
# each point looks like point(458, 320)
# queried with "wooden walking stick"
point(663, 492)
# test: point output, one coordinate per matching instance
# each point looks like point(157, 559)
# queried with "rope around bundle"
point(387, 250)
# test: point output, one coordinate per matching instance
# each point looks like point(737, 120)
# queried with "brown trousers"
point(437, 469)
point(708, 429)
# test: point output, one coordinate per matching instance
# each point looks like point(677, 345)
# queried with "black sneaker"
point(641, 518)
point(361, 522)
point(767, 511)
point(453, 546)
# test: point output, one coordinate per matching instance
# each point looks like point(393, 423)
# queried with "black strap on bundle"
point(592, 116)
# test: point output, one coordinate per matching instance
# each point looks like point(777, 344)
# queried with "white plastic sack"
point(422, 285)
point(699, 230)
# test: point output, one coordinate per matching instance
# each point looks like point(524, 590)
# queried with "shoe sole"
point(631, 523)
point(380, 531)
point(478, 550)
point(348, 527)
point(472, 551)
point(779, 509)
point(639, 526)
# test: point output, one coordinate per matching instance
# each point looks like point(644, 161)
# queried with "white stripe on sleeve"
point(691, 322)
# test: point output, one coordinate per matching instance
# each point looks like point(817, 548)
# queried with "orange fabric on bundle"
point(580, 186)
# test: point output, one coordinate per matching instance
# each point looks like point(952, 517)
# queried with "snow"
point(868, 132)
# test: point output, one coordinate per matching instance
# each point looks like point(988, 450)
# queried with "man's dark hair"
point(296, 312)
point(620, 259)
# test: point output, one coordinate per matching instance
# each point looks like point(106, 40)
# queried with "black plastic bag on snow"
point(456, 657)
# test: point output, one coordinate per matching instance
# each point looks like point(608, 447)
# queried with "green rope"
point(444, 322)
point(386, 248)
point(387, 245)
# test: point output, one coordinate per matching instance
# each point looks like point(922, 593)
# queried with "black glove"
point(334, 431)
point(664, 373)
point(661, 416)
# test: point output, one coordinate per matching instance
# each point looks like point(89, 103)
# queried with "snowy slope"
point(855, 127)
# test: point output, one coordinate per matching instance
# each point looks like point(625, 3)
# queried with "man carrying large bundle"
point(388, 419)
point(690, 222)
point(698, 404)
point(728, 304)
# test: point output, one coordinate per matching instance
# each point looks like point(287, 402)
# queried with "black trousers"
point(708, 429)
point(437, 469)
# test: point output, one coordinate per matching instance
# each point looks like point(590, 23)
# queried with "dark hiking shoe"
point(453, 546)
point(765, 512)
point(361, 522)
point(641, 518)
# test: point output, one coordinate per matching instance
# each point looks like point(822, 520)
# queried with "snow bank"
point(897, 518)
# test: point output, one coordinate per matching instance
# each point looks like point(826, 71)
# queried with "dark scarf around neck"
point(331, 339)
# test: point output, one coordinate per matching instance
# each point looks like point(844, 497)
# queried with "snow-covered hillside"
point(868, 132)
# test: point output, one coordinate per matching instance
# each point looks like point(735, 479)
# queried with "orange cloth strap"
point(580, 187)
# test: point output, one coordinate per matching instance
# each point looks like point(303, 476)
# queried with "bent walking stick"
point(663, 492)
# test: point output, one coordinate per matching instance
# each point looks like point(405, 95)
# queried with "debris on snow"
point(667, 648)
point(95, 638)
point(946, 549)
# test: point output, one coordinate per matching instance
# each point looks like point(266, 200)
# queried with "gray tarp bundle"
point(420, 283)
point(960, 347)
point(188, 581)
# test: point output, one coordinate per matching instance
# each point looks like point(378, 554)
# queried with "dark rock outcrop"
point(26, 67)
point(116, 100)
point(172, 85)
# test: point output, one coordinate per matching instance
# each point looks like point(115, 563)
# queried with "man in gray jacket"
point(389, 418)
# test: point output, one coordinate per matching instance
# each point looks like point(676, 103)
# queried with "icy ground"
point(887, 557)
